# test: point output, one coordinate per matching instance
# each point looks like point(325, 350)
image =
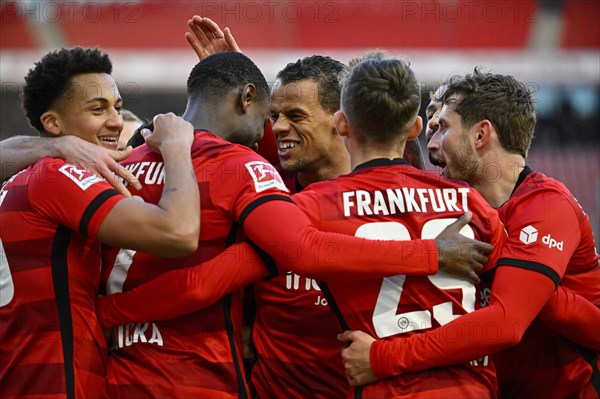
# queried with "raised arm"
point(171, 228)
point(21, 151)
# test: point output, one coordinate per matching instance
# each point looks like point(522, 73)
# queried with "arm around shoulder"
point(170, 228)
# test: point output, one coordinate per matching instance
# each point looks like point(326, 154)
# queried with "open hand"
point(207, 38)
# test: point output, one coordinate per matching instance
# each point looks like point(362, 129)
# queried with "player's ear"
point(341, 123)
point(52, 122)
point(247, 96)
point(485, 129)
point(416, 128)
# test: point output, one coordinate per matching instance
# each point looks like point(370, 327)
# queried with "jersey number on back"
point(385, 320)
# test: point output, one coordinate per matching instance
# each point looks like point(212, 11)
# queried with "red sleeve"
point(303, 249)
point(536, 241)
point(72, 197)
point(483, 332)
point(573, 316)
point(183, 291)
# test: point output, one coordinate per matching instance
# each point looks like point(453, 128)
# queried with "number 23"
point(385, 320)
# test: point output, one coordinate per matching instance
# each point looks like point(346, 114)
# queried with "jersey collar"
point(524, 173)
point(381, 162)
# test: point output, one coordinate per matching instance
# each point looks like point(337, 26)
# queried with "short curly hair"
point(51, 77)
point(219, 73)
point(323, 70)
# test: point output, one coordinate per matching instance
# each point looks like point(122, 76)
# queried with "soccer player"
point(487, 121)
point(53, 216)
point(294, 332)
point(228, 94)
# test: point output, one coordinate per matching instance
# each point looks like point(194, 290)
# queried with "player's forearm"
point(183, 291)
point(180, 200)
point(574, 317)
point(298, 246)
point(471, 336)
point(21, 151)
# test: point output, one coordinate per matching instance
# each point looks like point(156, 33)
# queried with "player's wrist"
point(59, 147)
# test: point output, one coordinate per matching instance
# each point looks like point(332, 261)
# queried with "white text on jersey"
point(135, 333)
point(406, 199)
point(148, 172)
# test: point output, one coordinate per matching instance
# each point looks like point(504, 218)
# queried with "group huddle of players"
point(469, 285)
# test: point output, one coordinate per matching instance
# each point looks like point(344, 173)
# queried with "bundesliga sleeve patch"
point(81, 177)
point(265, 176)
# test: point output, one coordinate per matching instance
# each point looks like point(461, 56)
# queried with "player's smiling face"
point(91, 110)
point(452, 148)
point(303, 129)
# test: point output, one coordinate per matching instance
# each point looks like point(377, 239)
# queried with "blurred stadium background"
point(553, 45)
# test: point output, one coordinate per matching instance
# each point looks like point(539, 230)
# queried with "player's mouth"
point(442, 165)
point(110, 142)
point(284, 148)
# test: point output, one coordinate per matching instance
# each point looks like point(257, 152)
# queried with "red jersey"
point(297, 244)
point(197, 355)
point(548, 232)
point(51, 344)
point(294, 334)
point(390, 199)
point(542, 250)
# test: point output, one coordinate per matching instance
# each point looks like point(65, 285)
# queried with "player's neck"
point(326, 172)
point(360, 154)
point(499, 177)
point(203, 118)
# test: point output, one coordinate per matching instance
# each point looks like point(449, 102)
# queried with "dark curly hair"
point(219, 73)
point(51, 77)
point(503, 100)
point(323, 70)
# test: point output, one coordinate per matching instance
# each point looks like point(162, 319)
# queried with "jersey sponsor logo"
point(528, 235)
point(81, 177)
point(292, 282)
point(552, 243)
point(265, 176)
